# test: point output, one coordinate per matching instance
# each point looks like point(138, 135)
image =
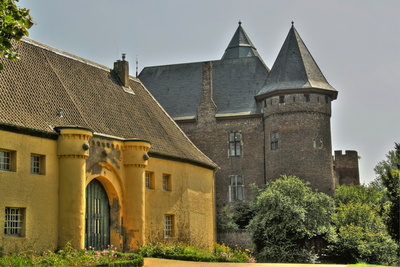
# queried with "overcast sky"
point(355, 43)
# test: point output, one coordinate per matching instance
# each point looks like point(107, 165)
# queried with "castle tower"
point(297, 110)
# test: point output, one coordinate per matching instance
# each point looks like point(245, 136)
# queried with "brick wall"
point(346, 167)
point(304, 147)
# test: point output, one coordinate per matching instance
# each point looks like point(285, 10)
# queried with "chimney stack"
point(121, 68)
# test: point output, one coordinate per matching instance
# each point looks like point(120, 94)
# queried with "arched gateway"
point(97, 218)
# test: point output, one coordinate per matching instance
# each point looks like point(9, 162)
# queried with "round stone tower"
point(297, 110)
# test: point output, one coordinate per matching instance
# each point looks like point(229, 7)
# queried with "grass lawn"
point(365, 265)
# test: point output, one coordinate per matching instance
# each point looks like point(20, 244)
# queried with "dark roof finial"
point(292, 23)
point(123, 56)
point(240, 23)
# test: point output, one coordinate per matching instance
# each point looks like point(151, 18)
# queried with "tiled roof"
point(295, 70)
point(35, 89)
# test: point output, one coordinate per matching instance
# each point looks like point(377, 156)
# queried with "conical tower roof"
point(295, 71)
point(240, 46)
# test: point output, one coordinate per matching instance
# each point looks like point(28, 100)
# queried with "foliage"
point(68, 256)
point(358, 232)
point(242, 213)
point(14, 24)
point(225, 219)
point(288, 213)
point(182, 251)
point(388, 175)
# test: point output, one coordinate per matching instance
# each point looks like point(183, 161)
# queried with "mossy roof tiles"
point(45, 80)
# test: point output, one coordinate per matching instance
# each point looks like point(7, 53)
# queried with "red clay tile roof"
point(45, 80)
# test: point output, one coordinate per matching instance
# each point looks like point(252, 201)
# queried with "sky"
point(356, 44)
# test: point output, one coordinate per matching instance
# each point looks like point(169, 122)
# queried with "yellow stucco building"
point(88, 156)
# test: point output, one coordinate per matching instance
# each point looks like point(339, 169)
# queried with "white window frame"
point(168, 225)
point(236, 188)
point(37, 164)
point(7, 158)
point(149, 180)
point(14, 222)
point(166, 182)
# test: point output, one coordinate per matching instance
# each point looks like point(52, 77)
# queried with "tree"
point(388, 175)
point(358, 232)
point(14, 24)
point(288, 213)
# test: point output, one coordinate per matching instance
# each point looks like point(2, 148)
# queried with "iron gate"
point(97, 227)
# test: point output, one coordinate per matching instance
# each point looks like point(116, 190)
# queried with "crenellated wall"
point(346, 167)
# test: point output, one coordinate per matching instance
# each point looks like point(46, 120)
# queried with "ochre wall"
point(136, 213)
point(190, 201)
point(38, 194)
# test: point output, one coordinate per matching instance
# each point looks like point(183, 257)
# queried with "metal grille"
point(13, 223)
point(5, 160)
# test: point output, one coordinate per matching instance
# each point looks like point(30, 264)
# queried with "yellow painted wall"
point(191, 201)
point(38, 194)
point(55, 201)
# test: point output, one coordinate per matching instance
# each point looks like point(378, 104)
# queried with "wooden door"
point(97, 229)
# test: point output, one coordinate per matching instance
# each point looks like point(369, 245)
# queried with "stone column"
point(73, 150)
point(135, 161)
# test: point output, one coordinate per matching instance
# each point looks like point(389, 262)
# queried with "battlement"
point(346, 167)
point(309, 102)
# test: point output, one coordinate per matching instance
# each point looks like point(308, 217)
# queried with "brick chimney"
point(121, 68)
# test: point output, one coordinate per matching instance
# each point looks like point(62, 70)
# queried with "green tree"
point(288, 212)
point(358, 232)
point(14, 24)
point(388, 175)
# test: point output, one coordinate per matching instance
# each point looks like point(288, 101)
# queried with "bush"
point(359, 234)
point(68, 256)
point(288, 213)
point(182, 251)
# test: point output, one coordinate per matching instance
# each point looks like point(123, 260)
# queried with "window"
point(235, 146)
point(274, 140)
point(327, 99)
point(166, 179)
point(306, 98)
point(37, 164)
point(149, 179)
point(14, 222)
point(168, 225)
point(281, 99)
point(236, 188)
point(7, 160)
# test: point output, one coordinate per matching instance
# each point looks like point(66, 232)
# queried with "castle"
point(256, 123)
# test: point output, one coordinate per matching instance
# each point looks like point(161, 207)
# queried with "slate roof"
point(237, 78)
point(45, 80)
point(295, 70)
point(240, 46)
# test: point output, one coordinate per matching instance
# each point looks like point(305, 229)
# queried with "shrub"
point(182, 251)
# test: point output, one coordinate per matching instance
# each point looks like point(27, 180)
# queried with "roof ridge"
point(64, 53)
